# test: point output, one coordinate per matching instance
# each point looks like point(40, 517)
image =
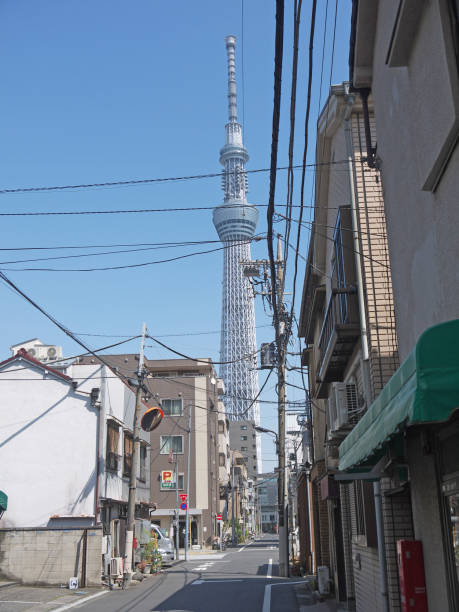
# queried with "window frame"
point(172, 399)
point(143, 462)
point(127, 457)
point(162, 445)
point(112, 455)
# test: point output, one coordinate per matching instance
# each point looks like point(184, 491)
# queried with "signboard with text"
point(167, 479)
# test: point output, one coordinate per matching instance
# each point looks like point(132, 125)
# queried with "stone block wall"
point(42, 556)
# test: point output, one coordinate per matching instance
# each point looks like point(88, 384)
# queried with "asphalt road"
point(232, 581)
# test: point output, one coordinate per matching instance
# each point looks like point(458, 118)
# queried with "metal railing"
point(342, 309)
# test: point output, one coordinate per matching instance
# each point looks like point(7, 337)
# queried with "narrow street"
point(234, 580)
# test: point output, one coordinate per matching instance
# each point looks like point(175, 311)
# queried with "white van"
point(165, 544)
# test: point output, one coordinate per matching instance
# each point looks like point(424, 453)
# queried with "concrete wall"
point(50, 556)
point(427, 520)
point(416, 106)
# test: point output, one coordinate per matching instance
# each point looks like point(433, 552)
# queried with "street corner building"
point(65, 451)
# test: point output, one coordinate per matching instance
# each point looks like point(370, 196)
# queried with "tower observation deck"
point(235, 221)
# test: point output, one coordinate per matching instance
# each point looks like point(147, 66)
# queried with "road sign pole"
point(190, 408)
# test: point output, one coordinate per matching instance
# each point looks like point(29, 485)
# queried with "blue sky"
point(114, 90)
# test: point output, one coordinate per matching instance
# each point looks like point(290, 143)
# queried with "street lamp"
point(270, 431)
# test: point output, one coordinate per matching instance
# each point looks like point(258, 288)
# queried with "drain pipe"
point(364, 338)
point(358, 264)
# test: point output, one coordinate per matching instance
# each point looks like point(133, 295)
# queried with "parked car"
point(165, 544)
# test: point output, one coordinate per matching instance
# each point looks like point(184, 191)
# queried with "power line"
point(243, 358)
point(152, 248)
point(305, 149)
point(136, 265)
point(137, 181)
point(53, 320)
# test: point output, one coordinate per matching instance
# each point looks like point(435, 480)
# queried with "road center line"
point(270, 569)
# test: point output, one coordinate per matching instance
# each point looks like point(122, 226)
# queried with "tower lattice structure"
point(235, 221)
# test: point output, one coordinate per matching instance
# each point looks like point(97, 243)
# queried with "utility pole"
point(282, 332)
point(135, 453)
point(177, 511)
point(190, 408)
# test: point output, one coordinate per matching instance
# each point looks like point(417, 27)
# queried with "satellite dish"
point(152, 417)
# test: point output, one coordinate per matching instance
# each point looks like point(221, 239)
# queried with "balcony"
point(339, 333)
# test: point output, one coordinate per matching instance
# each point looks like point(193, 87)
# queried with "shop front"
point(409, 441)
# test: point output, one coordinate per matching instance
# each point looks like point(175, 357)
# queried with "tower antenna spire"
point(232, 100)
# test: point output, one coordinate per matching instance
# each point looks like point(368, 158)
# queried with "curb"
point(8, 584)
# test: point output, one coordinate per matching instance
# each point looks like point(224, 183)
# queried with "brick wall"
point(376, 272)
point(347, 539)
point(43, 556)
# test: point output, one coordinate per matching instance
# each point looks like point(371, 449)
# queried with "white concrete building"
point(65, 449)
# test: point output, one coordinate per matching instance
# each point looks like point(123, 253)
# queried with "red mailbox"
point(411, 572)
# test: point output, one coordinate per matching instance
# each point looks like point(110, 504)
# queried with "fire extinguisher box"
point(411, 573)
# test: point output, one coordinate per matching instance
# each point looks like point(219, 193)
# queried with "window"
point(243, 437)
point(127, 455)
point(221, 426)
point(243, 426)
point(143, 462)
point(113, 437)
point(254, 456)
point(365, 518)
point(171, 443)
point(167, 487)
point(239, 461)
point(243, 448)
point(221, 459)
point(172, 407)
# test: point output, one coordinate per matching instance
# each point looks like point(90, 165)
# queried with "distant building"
point(243, 438)
point(267, 502)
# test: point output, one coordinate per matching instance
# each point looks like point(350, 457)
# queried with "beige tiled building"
point(351, 351)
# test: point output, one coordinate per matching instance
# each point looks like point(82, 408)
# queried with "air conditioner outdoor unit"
point(116, 567)
point(346, 406)
point(323, 579)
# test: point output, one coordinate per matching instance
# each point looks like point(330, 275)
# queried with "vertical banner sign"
point(167, 479)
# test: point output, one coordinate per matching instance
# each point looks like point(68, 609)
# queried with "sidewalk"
point(18, 597)
point(309, 600)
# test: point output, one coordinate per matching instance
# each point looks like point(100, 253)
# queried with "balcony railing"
point(340, 330)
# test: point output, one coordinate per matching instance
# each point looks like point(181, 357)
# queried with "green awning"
point(3, 501)
point(425, 389)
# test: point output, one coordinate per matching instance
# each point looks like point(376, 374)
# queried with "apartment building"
point(189, 392)
point(406, 55)
point(348, 325)
point(243, 438)
point(267, 502)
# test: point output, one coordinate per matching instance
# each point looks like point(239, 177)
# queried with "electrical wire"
point(278, 55)
point(243, 358)
point(51, 318)
point(152, 248)
point(136, 265)
point(136, 181)
point(296, 33)
point(305, 149)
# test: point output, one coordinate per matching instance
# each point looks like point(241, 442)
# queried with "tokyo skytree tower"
point(235, 221)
